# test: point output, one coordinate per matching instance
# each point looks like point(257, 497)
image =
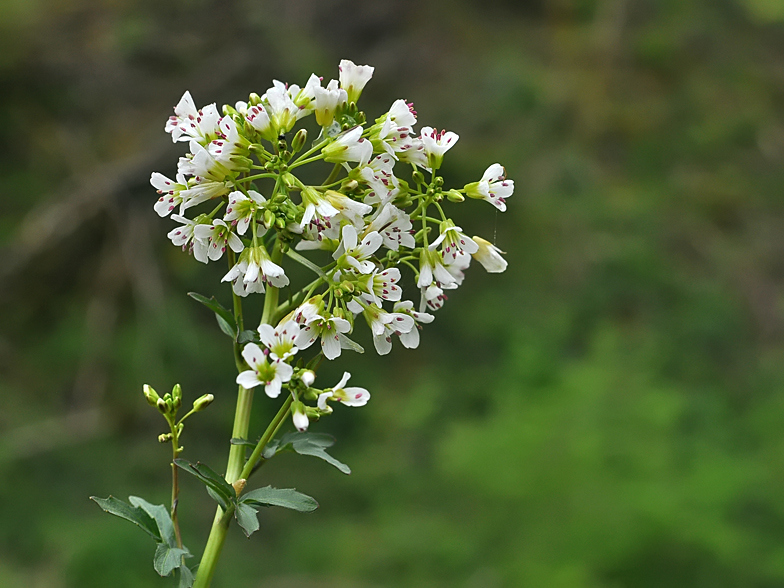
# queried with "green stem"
point(175, 499)
point(266, 437)
point(333, 175)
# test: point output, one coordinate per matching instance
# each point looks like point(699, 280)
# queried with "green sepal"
point(222, 491)
point(246, 518)
point(168, 558)
point(223, 315)
point(285, 497)
point(130, 513)
point(314, 444)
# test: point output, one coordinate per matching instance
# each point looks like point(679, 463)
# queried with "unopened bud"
point(349, 185)
point(161, 405)
point(150, 394)
point(269, 218)
point(239, 486)
point(202, 402)
point(164, 437)
point(280, 223)
point(254, 99)
point(299, 417)
point(308, 377)
point(455, 196)
point(298, 142)
point(418, 177)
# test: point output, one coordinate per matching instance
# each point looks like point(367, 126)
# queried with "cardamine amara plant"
point(379, 212)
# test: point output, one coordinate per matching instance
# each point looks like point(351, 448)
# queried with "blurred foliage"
point(608, 413)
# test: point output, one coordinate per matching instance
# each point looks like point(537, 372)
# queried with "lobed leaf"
point(168, 558)
point(246, 518)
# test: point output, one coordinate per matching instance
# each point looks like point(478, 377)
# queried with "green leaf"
point(134, 514)
point(168, 558)
point(312, 444)
point(248, 337)
point(285, 497)
point(246, 518)
point(160, 515)
point(222, 491)
point(186, 577)
point(225, 318)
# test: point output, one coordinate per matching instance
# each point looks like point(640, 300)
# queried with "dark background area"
point(607, 413)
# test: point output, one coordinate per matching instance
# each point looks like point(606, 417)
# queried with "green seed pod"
point(150, 394)
point(298, 142)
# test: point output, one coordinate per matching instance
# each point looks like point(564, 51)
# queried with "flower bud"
point(349, 185)
point(455, 196)
point(298, 416)
point(202, 402)
point(308, 377)
point(161, 405)
point(269, 218)
point(418, 177)
point(164, 437)
point(150, 394)
point(298, 142)
point(254, 99)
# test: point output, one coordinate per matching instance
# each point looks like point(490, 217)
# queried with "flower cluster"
point(375, 215)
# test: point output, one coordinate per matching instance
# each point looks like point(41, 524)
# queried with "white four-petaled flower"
point(272, 374)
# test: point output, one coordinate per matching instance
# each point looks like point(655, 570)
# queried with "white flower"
point(241, 209)
point(356, 255)
point(259, 119)
point(201, 164)
point(382, 286)
point(384, 324)
point(489, 256)
point(329, 329)
point(433, 298)
point(411, 339)
point(282, 111)
point(493, 187)
point(352, 396)
point(453, 241)
point(305, 97)
point(231, 149)
point(436, 144)
point(171, 192)
point(200, 190)
point(430, 268)
point(455, 266)
point(402, 113)
point(281, 339)
point(326, 102)
point(189, 123)
point(217, 235)
point(394, 226)
point(353, 78)
point(349, 146)
point(253, 268)
point(272, 374)
point(348, 209)
point(412, 151)
point(315, 202)
point(183, 236)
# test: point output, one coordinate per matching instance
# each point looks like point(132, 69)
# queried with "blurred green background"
point(607, 413)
